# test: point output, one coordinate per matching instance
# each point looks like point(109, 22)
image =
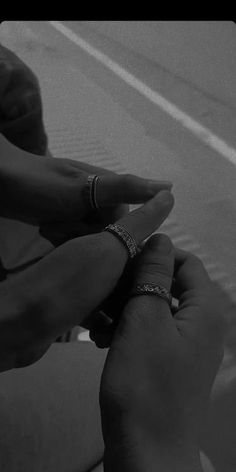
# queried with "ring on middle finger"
point(148, 288)
point(90, 191)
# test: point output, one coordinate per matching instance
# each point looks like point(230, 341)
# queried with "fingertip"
point(190, 270)
point(160, 242)
point(165, 198)
point(172, 198)
point(128, 188)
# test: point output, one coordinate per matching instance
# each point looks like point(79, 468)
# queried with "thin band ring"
point(152, 289)
point(94, 192)
point(125, 237)
point(90, 191)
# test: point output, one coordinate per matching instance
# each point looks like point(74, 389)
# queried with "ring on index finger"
point(125, 237)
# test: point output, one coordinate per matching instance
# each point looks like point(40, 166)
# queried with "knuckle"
point(155, 269)
point(127, 181)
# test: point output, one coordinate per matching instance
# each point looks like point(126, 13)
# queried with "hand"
point(49, 192)
point(160, 368)
point(65, 288)
point(114, 194)
point(93, 222)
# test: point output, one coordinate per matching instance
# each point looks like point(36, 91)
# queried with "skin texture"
point(171, 360)
point(49, 193)
point(66, 287)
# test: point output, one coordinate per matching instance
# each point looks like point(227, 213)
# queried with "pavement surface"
point(93, 115)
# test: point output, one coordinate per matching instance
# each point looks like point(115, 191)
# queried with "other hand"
point(160, 368)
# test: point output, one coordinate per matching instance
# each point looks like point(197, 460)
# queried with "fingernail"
point(164, 196)
point(164, 245)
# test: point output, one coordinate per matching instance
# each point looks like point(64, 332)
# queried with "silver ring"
point(94, 193)
point(90, 191)
point(124, 237)
point(152, 289)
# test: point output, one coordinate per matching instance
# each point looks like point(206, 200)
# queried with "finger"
point(199, 301)
point(115, 189)
point(101, 331)
point(59, 233)
point(111, 214)
point(116, 212)
point(99, 320)
point(71, 229)
point(114, 304)
point(156, 262)
point(189, 273)
point(154, 265)
point(90, 169)
point(142, 222)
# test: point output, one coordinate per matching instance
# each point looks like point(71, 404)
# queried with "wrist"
point(135, 450)
point(152, 457)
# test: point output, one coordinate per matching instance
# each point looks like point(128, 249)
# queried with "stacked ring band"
point(124, 237)
point(152, 289)
point(90, 191)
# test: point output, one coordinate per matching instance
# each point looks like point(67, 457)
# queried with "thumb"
point(150, 312)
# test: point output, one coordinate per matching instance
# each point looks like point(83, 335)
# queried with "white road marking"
point(202, 133)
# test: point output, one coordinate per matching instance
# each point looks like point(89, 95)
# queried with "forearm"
point(52, 296)
point(158, 459)
point(133, 448)
point(155, 464)
point(43, 301)
point(49, 404)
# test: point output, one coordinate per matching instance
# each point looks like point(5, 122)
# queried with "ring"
point(124, 237)
point(152, 289)
point(90, 191)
